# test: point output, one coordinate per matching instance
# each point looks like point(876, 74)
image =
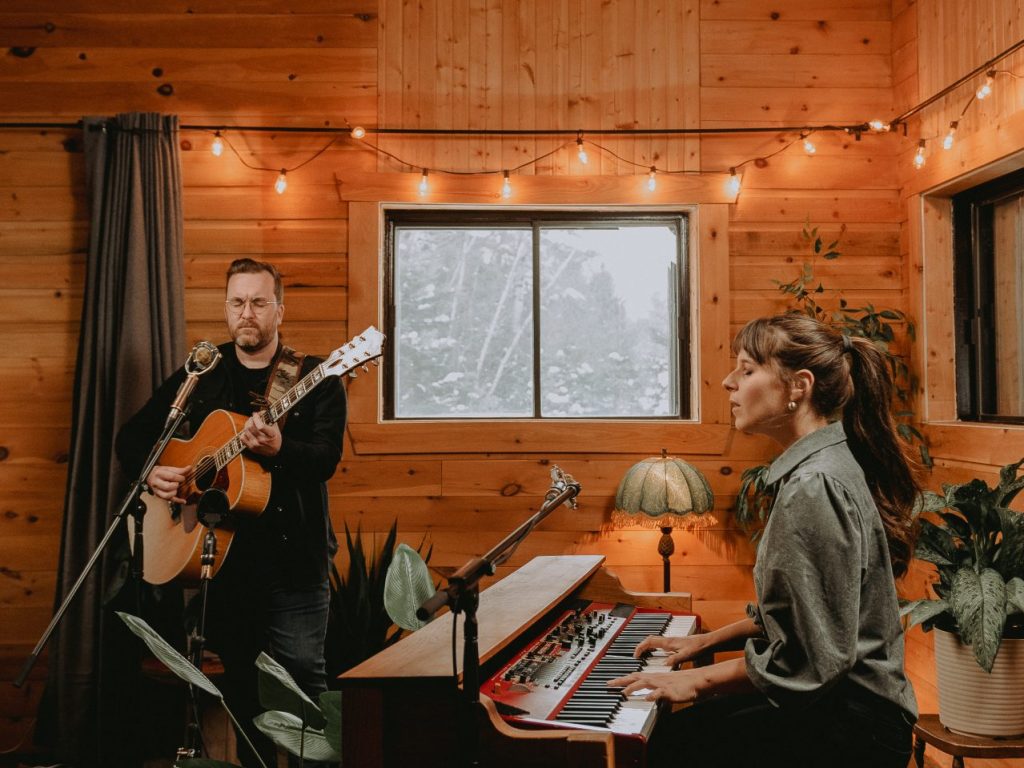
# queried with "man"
point(271, 592)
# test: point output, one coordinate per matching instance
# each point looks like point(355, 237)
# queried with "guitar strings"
point(209, 461)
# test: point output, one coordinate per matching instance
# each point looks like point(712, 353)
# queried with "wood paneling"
point(532, 64)
point(931, 50)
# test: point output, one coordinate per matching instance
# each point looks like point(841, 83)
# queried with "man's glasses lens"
point(258, 305)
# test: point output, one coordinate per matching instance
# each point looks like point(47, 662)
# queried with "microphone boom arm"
point(563, 489)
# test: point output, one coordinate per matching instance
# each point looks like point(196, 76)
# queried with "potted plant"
point(978, 612)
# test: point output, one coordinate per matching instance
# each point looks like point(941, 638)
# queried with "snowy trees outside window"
point(537, 315)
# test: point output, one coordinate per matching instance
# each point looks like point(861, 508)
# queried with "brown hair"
point(851, 376)
point(253, 267)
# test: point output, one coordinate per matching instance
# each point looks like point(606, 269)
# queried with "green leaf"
point(923, 610)
point(285, 730)
point(278, 690)
point(330, 705)
point(171, 659)
point(1009, 484)
point(830, 255)
point(929, 501)
point(406, 587)
point(978, 604)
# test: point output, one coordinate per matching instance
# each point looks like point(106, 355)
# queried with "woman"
point(821, 680)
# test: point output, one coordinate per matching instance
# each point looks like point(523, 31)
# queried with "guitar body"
point(174, 534)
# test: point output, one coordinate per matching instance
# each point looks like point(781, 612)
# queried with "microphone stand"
point(213, 508)
point(462, 595)
point(203, 357)
point(132, 502)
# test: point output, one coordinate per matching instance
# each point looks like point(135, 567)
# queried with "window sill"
point(569, 436)
point(993, 444)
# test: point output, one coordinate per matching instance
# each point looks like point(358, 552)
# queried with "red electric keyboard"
point(560, 679)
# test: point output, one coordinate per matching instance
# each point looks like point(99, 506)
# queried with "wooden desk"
point(929, 730)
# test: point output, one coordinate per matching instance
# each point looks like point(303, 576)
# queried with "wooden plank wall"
point(930, 51)
point(437, 63)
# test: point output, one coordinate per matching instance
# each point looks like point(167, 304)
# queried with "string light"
point(947, 143)
point(986, 90)
point(732, 186)
point(919, 155)
point(581, 153)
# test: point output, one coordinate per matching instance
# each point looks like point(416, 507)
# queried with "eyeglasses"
point(258, 305)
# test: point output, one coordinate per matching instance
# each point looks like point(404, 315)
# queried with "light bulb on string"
point(506, 186)
point(809, 147)
point(358, 132)
point(217, 147)
point(878, 126)
point(732, 186)
point(947, 143)
point(919, 155)
point(282, 182)
point(423, 186)
point(986, 89)
point(652, 183)
point(581, 153)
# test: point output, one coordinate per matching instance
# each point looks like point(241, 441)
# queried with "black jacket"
point(293, 540)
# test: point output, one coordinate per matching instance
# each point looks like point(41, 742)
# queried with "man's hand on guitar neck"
point(261, 438)
point(164, 482)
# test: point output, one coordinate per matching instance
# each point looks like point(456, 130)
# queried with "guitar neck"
point(234, 447)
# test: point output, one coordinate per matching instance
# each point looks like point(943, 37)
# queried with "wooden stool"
point(929, 730)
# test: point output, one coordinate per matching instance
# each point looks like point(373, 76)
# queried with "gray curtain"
point(132, 338)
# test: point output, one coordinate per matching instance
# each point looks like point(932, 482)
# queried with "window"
point(988, 224)
point(518, 314)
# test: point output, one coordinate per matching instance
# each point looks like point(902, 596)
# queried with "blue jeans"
point(290, 624)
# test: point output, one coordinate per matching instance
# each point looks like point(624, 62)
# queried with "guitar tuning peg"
point(353, 374)
point(376, 361)
point(363, 366)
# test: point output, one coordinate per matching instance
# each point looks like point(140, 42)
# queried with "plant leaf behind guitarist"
point(271, 592)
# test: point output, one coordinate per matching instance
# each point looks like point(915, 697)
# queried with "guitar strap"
point(283, 377)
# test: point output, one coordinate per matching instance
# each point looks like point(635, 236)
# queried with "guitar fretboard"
point(307, 384)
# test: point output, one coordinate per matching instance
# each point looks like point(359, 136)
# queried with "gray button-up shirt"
point(826, 599)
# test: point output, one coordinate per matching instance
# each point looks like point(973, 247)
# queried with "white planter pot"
point(974, 701)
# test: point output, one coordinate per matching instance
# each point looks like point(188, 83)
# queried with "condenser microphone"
point(202, 359)
point(205, 355)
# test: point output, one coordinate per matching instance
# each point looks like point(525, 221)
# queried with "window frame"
point(365, 195)
point(974, 296)
point(535, 219)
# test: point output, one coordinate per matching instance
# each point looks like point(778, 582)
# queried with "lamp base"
point(665, 548)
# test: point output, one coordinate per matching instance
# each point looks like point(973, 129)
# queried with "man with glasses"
point(271, 592)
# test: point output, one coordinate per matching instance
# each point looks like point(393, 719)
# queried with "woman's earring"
point(791, 406)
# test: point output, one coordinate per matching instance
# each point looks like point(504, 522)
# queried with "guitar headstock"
point(363, 348)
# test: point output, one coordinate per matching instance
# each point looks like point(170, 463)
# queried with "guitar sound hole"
point(205, 479)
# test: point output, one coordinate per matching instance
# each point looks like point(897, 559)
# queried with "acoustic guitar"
point(225, 484)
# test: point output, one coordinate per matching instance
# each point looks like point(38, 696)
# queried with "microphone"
point(202, 359)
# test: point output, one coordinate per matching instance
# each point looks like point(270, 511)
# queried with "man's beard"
point(261, 339)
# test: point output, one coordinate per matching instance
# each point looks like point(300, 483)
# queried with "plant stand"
point(928, 730)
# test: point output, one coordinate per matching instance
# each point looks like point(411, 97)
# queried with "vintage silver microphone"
point(202, 359)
